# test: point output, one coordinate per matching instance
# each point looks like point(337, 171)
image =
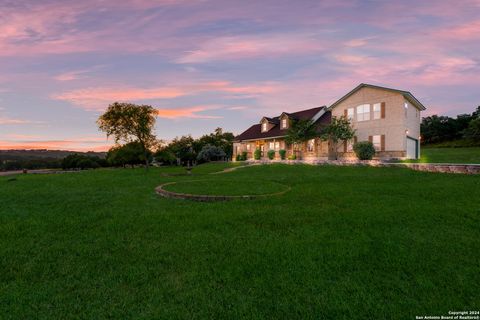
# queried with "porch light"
point(406, 131)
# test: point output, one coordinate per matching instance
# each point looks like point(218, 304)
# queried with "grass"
point(448, 155)
point(344, 243)
point(227, 187)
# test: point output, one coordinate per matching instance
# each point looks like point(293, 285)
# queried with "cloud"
point(189, 112)
point(6, 121)
point(86, 143)
point(99, 98)
point(247, 47)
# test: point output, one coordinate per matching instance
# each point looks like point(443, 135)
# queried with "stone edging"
point(429, 167)
point(209, 198)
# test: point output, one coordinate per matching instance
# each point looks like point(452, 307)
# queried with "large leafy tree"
point(339, 129)
point(129, 122)
point(300, 131)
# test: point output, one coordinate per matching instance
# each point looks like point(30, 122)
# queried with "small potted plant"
point(282, 153)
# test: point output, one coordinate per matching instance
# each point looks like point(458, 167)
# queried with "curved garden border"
point(209, 198)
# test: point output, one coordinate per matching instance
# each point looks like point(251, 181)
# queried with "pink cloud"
point(242, 47)
point(100, 98)
point(86, 143)
point(5, 121)
point(190, 112)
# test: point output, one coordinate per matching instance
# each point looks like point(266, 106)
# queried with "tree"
point(219, 139)
point(339, 129)
point(473, 130)
point(183, 149)
point(131, 153)
point(209, 153)
point(129, 122)
point(300, 131)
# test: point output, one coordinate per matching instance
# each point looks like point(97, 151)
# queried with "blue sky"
point(208, 64)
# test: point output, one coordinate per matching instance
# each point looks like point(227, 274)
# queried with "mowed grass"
point(449, 155)
point(227, 187)
point(344, 243)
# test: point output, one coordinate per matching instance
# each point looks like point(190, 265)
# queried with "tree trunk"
point(146, 157)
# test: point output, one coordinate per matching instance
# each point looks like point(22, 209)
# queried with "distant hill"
point(43, 154)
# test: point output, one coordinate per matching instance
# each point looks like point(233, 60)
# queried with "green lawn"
point(449, 155)
point(344, 243)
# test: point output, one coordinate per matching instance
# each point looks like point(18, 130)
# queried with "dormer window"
point(284, 123)
point(264, 127)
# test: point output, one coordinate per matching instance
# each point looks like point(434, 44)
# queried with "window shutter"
point(382, 110)
point(370, 138)
point(345, 113)
point(382, 142)
point(345, 146)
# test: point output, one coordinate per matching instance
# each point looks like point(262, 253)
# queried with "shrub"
point(244, 155)
point(271, 154)
point(257, 154)
point(292, 157)
point(283, 154)
point(238, 157)
point(364, 150)
point(209, 153)
point(165, 157)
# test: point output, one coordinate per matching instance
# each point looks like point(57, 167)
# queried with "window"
point(264, 127)
point(271, 145)
point(350, 112)
point(406, 108)
point(277, 145)
point(377, 111)
point(248, 147)
point(284, 123)
point(363, 112)
point(311, 145)
point(377, 142)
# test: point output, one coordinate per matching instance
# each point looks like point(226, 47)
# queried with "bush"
point(209, 153)
point(283, 154)
point(364, 150)
point(292, 157)
point(257, 154)
point(271, 154)
point(80, 161)
point(238, 157)
point(244, 155)
point(165, 157)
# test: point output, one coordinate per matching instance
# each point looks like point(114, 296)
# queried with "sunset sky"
point(206, 64)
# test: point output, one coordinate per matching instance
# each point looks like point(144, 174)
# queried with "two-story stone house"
point(389, 118)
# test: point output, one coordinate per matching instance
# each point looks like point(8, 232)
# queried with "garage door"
point(411, 148)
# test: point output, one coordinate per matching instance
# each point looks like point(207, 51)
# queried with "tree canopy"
point(300, 131)
point(129, 122)
point(339, 129)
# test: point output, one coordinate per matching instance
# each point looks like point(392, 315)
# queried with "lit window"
point(248, 147)
point(350, 112)
point(264, 126)
point(406, 105)
point(377, 111)
point(284, 123)
point(311, 145)
point(377, 142)
point(363, 112)
point(277, 145)
point(271, 145)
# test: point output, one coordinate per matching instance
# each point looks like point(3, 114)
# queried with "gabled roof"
point(254, 132)
point(406, 94)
